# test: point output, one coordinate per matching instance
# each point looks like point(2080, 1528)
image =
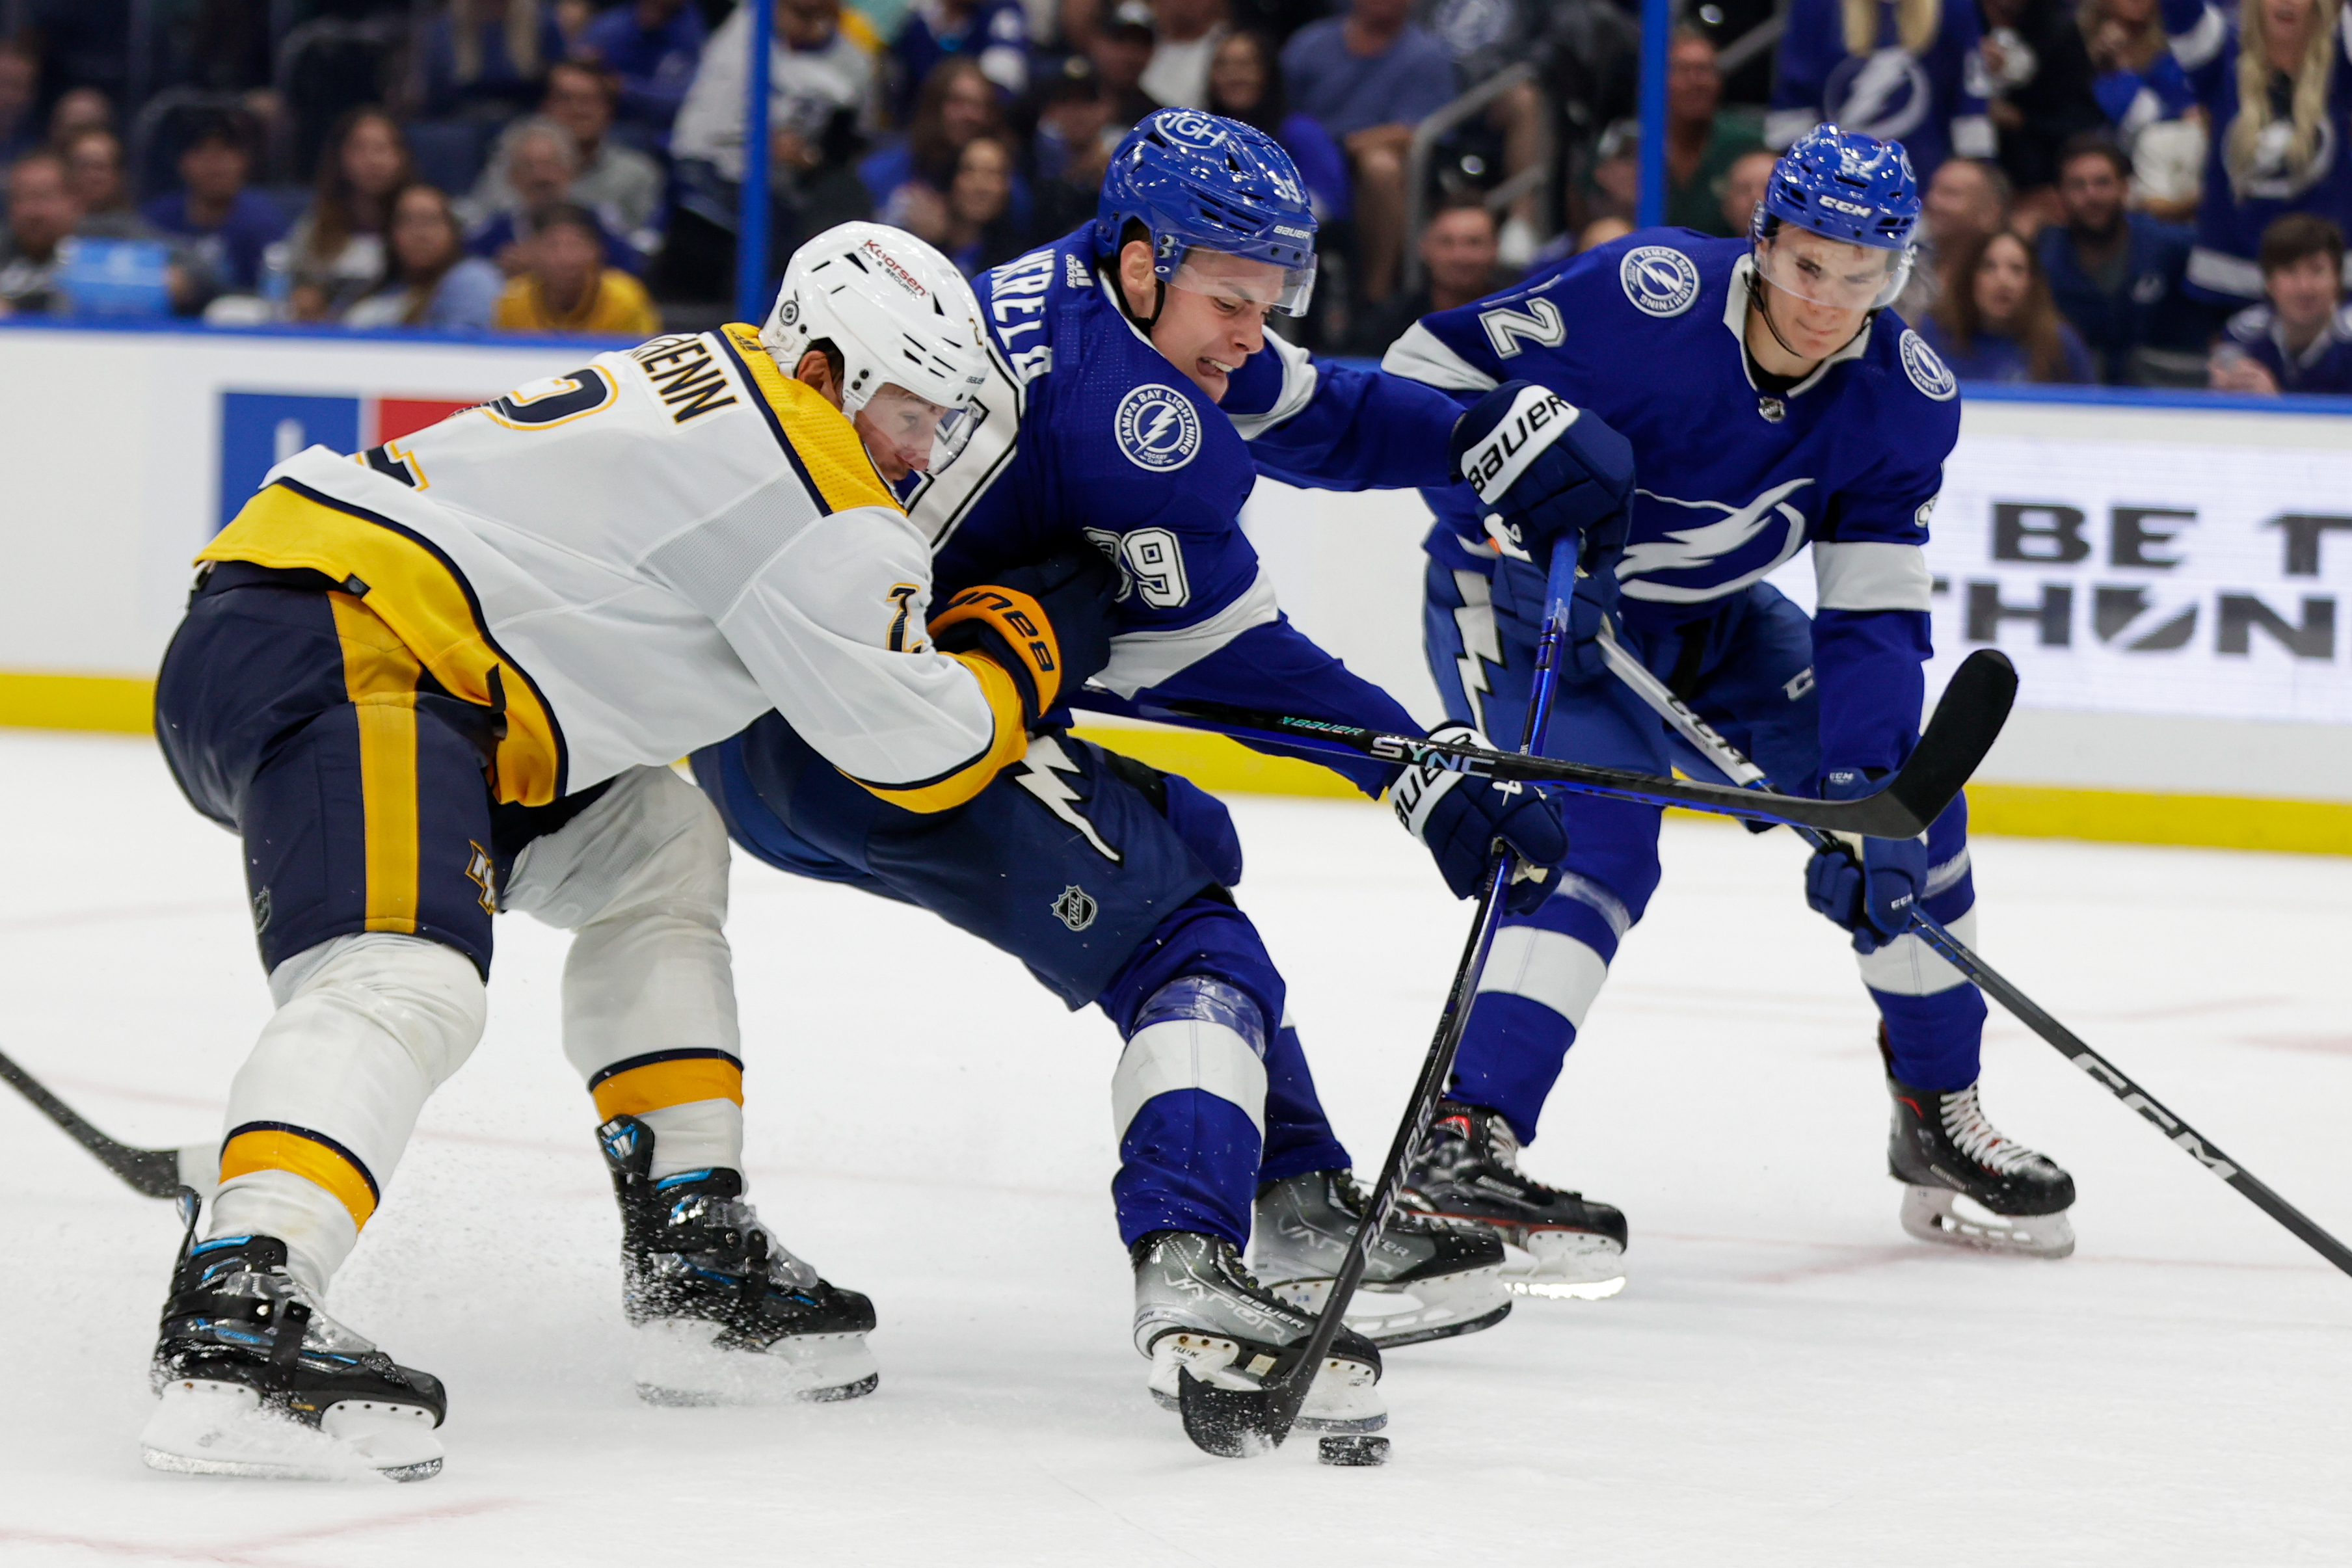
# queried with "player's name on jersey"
point(686, 374)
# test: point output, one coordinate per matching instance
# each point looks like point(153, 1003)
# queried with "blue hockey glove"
point(1457, 817)
point(1518, 599)
point(1871, 895)
point(1544, 470)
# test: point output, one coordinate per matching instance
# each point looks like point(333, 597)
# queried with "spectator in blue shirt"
point(653, 45)
point(1244, 85)
point(1367, 79)
point(429, 280)
point(228, 224)
point(1996, 323)
point(991, 34)
point(2301, 340)
point(486, 60)
point(2118, 276)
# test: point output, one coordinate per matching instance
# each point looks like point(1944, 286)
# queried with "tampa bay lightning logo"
point(1157, 428)
point(1928, 372)
point(1686, 553)
point(1885, 94)
point(1659, 279)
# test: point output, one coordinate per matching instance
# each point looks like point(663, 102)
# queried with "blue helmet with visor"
point(1200, 182)
point(1854, 189)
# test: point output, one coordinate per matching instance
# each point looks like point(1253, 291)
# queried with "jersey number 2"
point(1540, 324)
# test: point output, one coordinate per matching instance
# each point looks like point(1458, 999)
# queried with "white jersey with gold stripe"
point(638, 558)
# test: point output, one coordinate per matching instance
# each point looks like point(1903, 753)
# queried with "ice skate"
point(1966, 1185)
point(723, 1314)
point(1426, 1279)
point(255, 1380)
point(1197, 1309)
point(1468, 1170)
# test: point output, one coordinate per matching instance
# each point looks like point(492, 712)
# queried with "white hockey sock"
point(367, 1027)
point(696, 1137)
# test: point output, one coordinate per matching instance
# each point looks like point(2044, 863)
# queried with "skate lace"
point(1974, 1135)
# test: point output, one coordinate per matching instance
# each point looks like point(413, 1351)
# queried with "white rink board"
point(1786, 1379)
point(113, 446)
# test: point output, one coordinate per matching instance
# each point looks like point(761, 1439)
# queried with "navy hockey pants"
point(1108, 880)
point(1748, 671)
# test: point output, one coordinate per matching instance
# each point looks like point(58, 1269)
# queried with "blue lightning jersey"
point(1734, 479)
point(1086, 432)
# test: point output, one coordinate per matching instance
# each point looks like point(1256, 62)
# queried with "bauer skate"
point(1197, 1309)
point(1468, 1170)
point(255, 1380)
point(1965, 1184)
point(723, 1314)
point(1426, 1279)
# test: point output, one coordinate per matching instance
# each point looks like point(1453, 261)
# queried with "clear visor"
point(1284, 291)
point(922, 433)
point(1833, 272)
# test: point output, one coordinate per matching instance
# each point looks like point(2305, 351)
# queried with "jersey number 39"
point(1150, 565)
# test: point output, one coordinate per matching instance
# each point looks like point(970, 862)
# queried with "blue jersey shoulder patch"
point(1659, 279)
point(1926, 369)
point(1157, 427)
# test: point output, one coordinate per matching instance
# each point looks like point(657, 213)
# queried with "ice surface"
point(1786, 1379)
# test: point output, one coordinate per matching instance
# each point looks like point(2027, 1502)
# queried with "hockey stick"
point(1974, 706)
point(1238, 1423)
point(154, 1172)
point(1729, 761)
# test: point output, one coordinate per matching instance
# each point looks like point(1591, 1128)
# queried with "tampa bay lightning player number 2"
point(1771, 401)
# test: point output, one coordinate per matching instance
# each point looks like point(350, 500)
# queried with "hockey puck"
point(1357, 1448)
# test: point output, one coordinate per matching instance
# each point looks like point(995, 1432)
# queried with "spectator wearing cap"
point(1702, 137)
point(42, 214)
point(1244, 84)
point(20, 85)
point(1368, 78)
point(1122, 49)
point(991, 34)
point(1071, 148)
point(565, 286)
point(620, 185)
point(1904, 71)
point(653, 48)
point(2300, 340)
point(227, 223)
point(537, 166)
point(1458, 263)
point(485, 59)
point(824, 100)
point(429, 280)
point(1185, 35)
point(2118, 276)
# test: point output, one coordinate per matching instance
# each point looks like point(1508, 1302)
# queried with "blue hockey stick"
point(1726, 760)
point(1236, 1423)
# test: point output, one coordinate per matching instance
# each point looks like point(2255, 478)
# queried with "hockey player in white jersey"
point(443, 678)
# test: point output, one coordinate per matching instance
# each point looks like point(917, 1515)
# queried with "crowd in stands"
point(2121, 192)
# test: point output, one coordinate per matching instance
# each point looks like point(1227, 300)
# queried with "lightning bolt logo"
point(1040, 772)
point(1482, 644)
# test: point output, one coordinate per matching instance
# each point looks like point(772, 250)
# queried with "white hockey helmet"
point(896, 310)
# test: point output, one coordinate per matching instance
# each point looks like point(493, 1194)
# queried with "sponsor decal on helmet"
point(1157, 428)
point(1659, 279)
point(1928, 372)
point(894, 271)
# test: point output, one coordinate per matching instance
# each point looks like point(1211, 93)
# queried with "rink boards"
point(2167, 575)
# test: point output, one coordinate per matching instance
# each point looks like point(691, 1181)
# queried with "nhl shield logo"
point(1928, 372)
point(1075, 908)
point(1157, 428)
point(1659, 279)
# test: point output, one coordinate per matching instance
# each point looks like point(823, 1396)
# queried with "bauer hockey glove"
point(1457, 817)
point(1544, 470)
point(1871, 895)
point(1048, 624)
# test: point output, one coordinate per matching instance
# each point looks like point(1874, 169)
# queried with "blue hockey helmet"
point(1854, 189)
point(1200, 182)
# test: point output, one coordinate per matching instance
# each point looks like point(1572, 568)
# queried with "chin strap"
point(1761, 298)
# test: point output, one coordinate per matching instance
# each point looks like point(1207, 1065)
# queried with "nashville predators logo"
point(483, 873)
point(1158, 428)
point(1075, 908)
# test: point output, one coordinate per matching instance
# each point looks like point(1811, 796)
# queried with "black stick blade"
point(1233, 1423)
point(154, 1172)
point(1968, 719)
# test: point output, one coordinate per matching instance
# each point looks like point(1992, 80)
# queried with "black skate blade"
point(1234, 1423)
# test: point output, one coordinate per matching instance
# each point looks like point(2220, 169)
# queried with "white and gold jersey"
point(640, 556)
